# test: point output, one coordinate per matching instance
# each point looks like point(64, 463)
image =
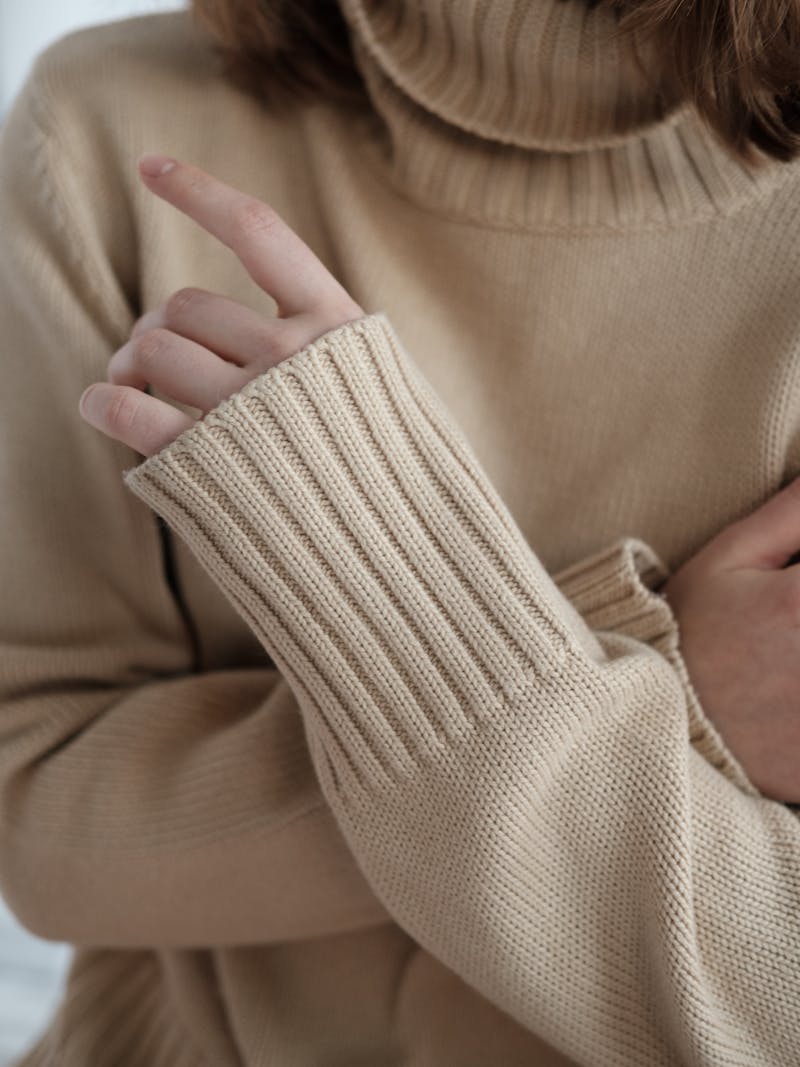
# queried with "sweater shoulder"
point(136, 84)
point(98, 98)
point(94, 101)
point(134, 56)
point(104, 95)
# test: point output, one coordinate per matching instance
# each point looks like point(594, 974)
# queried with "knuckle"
point(196, 181)
point(254, 217)
point(123, 410)
point(179, 302)
point(148, 346)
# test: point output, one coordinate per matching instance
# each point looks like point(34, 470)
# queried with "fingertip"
point(152, 165)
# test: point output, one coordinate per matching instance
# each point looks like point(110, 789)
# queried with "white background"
point(31, 970)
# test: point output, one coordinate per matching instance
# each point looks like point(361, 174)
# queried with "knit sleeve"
point(530, 797)
point(145, 799)
point(118, 823)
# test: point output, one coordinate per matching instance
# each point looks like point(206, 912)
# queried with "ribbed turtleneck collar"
point(545, 74)
point(538, 113)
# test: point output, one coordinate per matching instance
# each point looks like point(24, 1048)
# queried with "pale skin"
point(736, 601)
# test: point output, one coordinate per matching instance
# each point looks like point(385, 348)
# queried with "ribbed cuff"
point(615, 590)
point(343, 513)
point(341, 510)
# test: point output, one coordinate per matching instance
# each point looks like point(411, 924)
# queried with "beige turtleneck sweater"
point(348, 729)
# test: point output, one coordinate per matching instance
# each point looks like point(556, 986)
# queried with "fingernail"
point(84, 394)
point(154, 166)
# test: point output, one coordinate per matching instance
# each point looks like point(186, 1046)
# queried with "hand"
point(738, 611)
point(198, 347)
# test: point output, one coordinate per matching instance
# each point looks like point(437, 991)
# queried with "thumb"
point(767, 538)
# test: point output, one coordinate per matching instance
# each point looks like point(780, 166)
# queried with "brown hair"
point(280, 50)
point(738, 61)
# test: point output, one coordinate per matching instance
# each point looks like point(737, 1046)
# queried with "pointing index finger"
point(275, 257)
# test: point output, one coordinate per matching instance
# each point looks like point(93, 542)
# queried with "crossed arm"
point(554, 773)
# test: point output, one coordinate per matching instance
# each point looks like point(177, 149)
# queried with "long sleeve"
point(537, 801)
point(118, 823)
point(141, 801)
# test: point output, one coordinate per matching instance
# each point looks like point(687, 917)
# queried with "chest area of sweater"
point(610, 384)
point(639, 385)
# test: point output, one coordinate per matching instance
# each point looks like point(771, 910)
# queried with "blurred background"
point(31, 970)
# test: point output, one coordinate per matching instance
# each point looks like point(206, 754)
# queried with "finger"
point(142, 422)
point(235, 332)
point(181, 369)
point(767, 537)
point(275, 257)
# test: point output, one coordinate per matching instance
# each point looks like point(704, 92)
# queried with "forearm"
point(527, 795)
point(180, 812)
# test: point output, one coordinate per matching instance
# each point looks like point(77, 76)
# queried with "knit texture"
point(350, 727)
point(550, 75)
point(459, 729)
point(581, 132)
